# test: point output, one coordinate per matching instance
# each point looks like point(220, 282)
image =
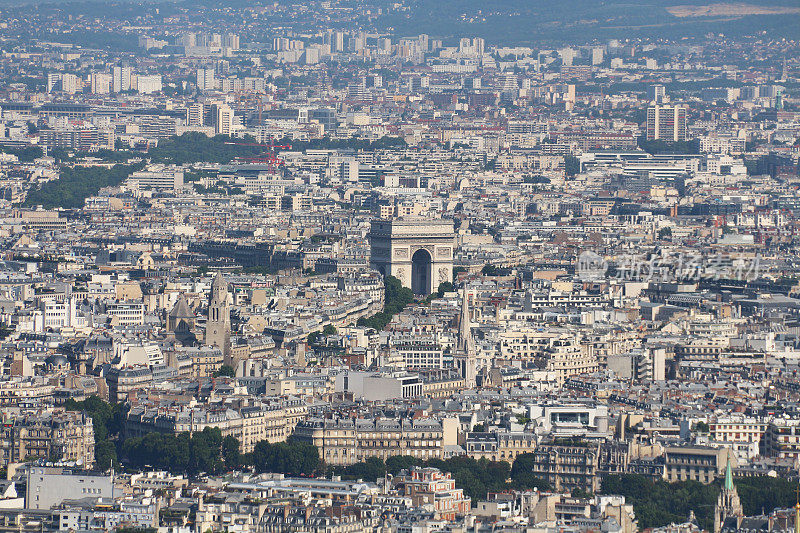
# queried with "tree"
point(536, 179)
point(396, 297)
point(660, 146)
point(476, 478)
point(329, 330)
point(522, 473)
point(658, 503)
point(206, 451)
point(370, 470)
point(75, 184)
point(444, 287)
point(230, 453)
point(572, 165)
point(25, 154)
point(762, 494)
point(400, 462)
point(225, 370)
point(200, 452)
point(106, 422)
point(490, 270)
point(291, 457)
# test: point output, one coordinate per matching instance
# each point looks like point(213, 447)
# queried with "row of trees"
point(25, 154)
point(660, 146)
point(444, 287)
point(76, 184)
point(658, 503)
point(107, 422)
point(206, 451)
point(354, 143)
point(476, 477)
point(209, 452)
point(396, 299)
point(193, 147)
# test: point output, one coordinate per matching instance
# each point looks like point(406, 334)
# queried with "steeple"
point(728, 503)
point(728, 486)
point(181, 321)
point(797, 510)
point(465, 341)
point(466, 344)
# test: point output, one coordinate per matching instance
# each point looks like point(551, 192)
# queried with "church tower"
point(181, 321)
point(728, 503)
point(466, 358)
point(218, 327)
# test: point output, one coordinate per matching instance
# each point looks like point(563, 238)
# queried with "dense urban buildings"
point(399, 267)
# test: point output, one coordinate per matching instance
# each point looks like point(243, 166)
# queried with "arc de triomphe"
point(418, 252)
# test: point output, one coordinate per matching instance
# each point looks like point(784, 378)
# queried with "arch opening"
point(421, 272)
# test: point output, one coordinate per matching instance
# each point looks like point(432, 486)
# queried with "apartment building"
point(499, 445)
point(568, 464)
point(272, 421)
point(697, 463)
point(666, 123)
point(348, 441)
point(782, 438)
point(52, 434)
point(737, 429)
point(429, 486)
point(159, 178)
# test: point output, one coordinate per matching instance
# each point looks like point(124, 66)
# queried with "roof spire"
point(728, 476)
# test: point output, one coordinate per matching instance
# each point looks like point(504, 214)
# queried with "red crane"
point(269, 156)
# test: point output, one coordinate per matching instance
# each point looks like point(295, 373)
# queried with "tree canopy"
point(396, 299)
point(76, 184)
point(658, 503)
point(290, 457)
point(476, 477)
point(106, 422)
point(200, 452)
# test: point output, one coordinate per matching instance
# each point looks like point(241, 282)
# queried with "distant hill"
point(521, 22)
point(515, 22)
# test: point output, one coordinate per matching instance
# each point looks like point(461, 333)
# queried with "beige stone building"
point(499, 446)
point(52, 435)
point(697, 463)
point(348, 441)
point(271, 421)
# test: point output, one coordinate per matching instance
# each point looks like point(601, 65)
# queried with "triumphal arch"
point(418, 252)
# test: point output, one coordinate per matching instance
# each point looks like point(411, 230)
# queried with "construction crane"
point(269, 156)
